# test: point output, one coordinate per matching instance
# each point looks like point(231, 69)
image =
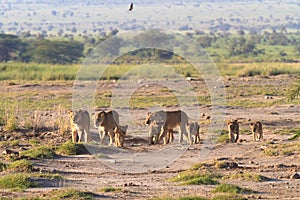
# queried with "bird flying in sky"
point(131, 7)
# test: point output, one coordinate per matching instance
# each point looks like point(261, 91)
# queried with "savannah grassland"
point(34, 125)
point(40, 162)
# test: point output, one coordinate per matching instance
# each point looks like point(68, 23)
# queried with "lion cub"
point(120, 132)
point(233, 130)
point(194, 129)
point(257, 131)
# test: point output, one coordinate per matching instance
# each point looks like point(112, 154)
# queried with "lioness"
point(257, 131)
point(106, 122)
point(80, 124)
point(171, 120)
point(120, 132)
point(194, 128)
point(233, 130)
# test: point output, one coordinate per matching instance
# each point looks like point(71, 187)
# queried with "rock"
point(295, 176)
point(9, 152)
point(232, 165)
point(188, 78)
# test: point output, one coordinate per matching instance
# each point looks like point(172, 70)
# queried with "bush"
point(42, 152)
point(71, 194)
point(195, 178)
point(16, 181)
point(70, 148)
point(21, 166)
point(232, 189)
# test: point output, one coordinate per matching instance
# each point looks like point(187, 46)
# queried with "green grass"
point(229, 197)
point(110, 189)
point(3, 166)
point(223, 138)
point(70, 194)
point(193, 177)
point(16, 181)
point(12, 143)
point(232, 189)
point(70, 148)
point(282, 149)
point(47, 72)
point(247, 176)
point(20, 166)
point(179, 198)
point(37, 72)
point(41, 152)
point(295, 136)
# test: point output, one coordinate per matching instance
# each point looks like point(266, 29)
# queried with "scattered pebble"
point(295, 176)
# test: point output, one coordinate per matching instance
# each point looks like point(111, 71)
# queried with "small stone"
point(295, 176)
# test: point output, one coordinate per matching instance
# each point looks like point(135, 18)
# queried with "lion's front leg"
point(80, 136)
point(74, 136)
point(231, 136)
point(237, 137)
point(111, 137)
point(187, 134)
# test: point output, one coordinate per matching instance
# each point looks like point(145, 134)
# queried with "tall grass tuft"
point(10, 119)
point(16, 181)
point(20, 166)
point(61, 121)
point(42, 152)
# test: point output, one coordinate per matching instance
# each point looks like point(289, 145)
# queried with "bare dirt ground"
point(87, 172)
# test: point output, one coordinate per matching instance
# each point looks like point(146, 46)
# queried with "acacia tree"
point(9, 47)
point(57, 52)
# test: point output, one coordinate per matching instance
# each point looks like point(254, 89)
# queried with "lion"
point(106, 122)
point(194, 129)
point(233, 130)
point(154, 131)
point(120, 132)
point(257, 131)
point(171, 119)
point(167, 135)
point(80, 124)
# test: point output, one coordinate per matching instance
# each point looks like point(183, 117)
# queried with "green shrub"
point(223, 138)
point(228, 197)
point(70, 148)
point(3, 166)
point(42, 152)
point(196, 178)
point(110, 189)
point(16, 181)
point(71, 194)
point(232, 189)
point(20, 166)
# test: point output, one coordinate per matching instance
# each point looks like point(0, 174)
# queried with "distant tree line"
point(68, 50)
point(242, 44)
point(39, 50)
